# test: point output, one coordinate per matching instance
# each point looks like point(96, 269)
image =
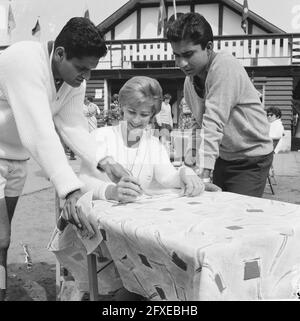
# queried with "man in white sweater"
point(42, 88)
point(236, 145)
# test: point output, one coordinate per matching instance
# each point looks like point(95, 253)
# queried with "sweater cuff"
point(65, 182)
point(209, 162)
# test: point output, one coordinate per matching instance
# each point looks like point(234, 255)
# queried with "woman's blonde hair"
point(141, 89)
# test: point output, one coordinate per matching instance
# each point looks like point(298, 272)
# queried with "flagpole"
point(11, 24)
point(175, 11)
point(39, 31)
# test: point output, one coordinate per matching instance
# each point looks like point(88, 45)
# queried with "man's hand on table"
point(75, 215)
point(125, 191)
point(114, 170)
point(205, 177)
point(192, 182)
point(210, 187)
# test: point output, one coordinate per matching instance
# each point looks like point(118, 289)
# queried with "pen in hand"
point(135, 181)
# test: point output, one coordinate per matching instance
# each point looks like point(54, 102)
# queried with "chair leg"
point(93, 280)
point(58, 267)
point(270, 184)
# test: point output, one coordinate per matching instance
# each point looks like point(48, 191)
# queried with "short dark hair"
point(190, 26)
point(115, 97)
point(275, 111)
point(167, 96)
point(81, 38)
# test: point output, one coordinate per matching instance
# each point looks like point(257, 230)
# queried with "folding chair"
point(59, 270)
point(275, 142)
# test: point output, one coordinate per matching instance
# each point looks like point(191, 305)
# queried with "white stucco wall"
point(211, 14)
point(232, 23)
point(126, 29)
point(108, 36)
point(257, 31)
point(183, 9)
point(149, 20)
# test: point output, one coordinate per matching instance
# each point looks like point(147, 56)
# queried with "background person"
point(186, 119)
point(114, 114)
point(102, 117)
point(165, 121)
point(236, 148)
point(90, 110)
point(276, 127)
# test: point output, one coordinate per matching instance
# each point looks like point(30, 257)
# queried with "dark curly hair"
point(167, 96)
point(190, 26)
point(275, 111)
point(81, 38)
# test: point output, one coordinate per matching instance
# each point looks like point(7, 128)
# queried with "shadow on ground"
point(35, 284)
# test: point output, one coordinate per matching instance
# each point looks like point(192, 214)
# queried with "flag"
point(11, 24)
point(162, 17)
point(245, 16)
point(86, 12)
point(36, 30)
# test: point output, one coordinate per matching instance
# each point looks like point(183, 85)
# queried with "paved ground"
point(35, 217)
point(32, 226)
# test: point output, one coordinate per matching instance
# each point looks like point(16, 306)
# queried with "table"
point(218, 246)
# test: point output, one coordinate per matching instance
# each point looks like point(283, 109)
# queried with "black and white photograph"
point(149, 153)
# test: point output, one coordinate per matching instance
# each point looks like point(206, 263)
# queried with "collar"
point(199, 80)
point(56, 81)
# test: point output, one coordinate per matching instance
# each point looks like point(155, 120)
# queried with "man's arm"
point(73, 127)
point(25, 86)
point(224, 85)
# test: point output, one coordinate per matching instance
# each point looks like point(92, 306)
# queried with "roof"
point(133, 5)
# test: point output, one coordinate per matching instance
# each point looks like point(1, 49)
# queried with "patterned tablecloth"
point(218, 246)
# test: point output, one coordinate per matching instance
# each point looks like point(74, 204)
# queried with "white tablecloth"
point(218, 246)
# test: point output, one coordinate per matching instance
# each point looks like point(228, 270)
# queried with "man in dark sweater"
point(235, 148)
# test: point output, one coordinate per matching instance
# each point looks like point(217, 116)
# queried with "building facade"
point(269, 55)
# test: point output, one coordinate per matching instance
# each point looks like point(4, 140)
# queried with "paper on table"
point(157, 193)
point(85, 202)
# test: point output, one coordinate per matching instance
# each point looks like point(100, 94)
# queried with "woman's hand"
point(125, 191)
point(114, 170)
point(192, 182)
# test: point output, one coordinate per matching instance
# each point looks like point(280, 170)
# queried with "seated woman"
point(150, 171)
point(132, 144)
